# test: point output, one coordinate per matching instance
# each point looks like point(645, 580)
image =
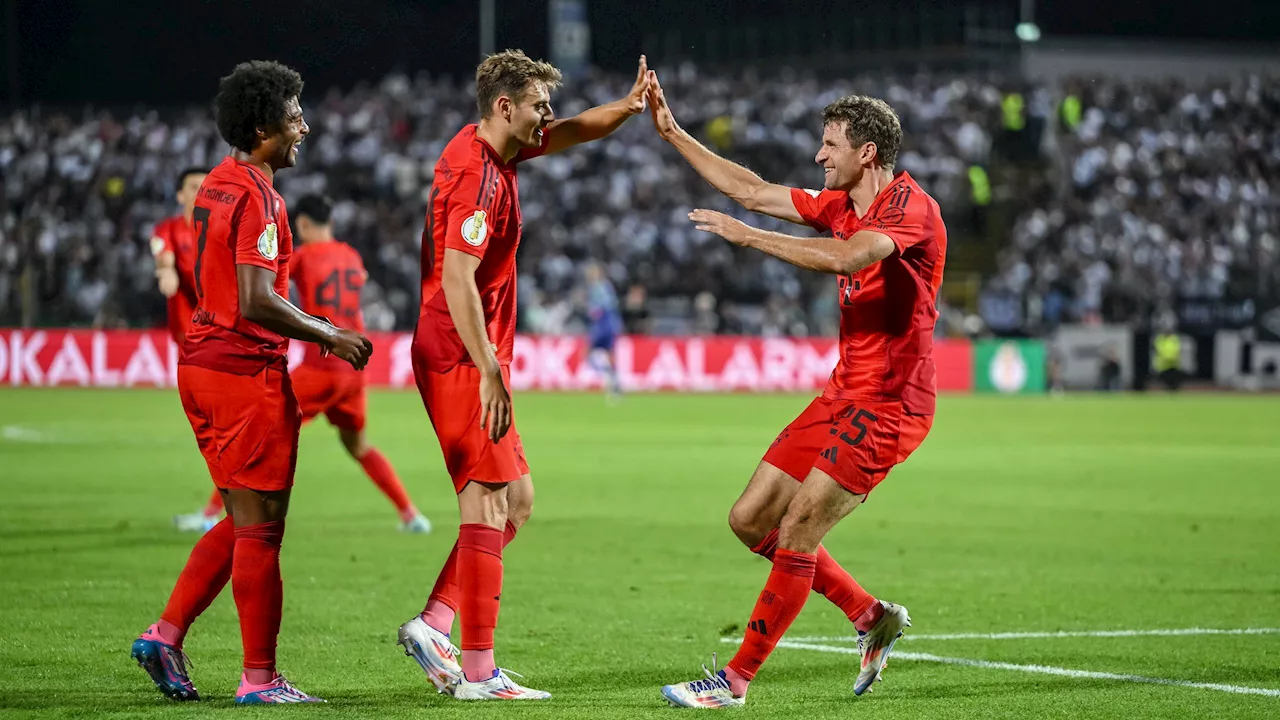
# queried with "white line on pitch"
point(1039, 669)
point(1059, 634)
point(17, 433)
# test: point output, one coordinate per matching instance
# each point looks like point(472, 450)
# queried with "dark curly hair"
point(251, 97)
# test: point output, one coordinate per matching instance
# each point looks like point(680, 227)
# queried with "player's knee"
point(796, 532)
point(354, 442)
point(520, 510)
point(747, 525)
point(484, 504)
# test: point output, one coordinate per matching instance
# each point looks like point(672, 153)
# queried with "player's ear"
point(504, 107)
point(867, 155)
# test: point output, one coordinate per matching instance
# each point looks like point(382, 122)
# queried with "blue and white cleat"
point(276, 692)
point(196, 522)
point(431, 648)
point(419, 525)
point(166, 665)
point(876, 644)
point(712, 693)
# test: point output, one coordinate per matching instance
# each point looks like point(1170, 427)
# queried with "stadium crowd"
point(1161, 190)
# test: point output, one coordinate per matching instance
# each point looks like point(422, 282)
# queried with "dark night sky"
point(174, 50)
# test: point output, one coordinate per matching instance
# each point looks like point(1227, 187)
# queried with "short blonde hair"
point(509, 73)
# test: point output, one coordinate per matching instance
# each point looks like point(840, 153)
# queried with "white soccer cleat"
point(418, 525)
point(434, 653)
point(498, 687)
point(876, 644)
point(194, 522)
point(711, 693)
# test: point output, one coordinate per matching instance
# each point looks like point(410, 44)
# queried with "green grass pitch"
point(1016, 516)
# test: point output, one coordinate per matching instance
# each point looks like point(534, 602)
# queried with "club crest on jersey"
point(268, 243)
point(157, 245)
point(475, 230)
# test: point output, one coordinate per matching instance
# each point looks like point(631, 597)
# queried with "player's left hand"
point(733, 230)
point(635, 99)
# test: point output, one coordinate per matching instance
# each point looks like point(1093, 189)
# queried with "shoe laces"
point(179, 659)
point(713, 682)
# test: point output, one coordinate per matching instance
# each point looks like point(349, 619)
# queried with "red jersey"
point(177, 236)
point(329, 277)
point(888, 309)
point(475, 208)
point(239, 220)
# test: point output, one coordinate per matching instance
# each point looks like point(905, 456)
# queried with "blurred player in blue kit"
point(605, 318)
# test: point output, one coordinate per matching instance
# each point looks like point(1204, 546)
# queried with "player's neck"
point(187, 214)
point(503, 144)
point(249, 158)
point(864, 193)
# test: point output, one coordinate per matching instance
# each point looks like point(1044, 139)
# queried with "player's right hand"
point(495, 405)
point(168, 278)
point(352, 347)
point(663, 120)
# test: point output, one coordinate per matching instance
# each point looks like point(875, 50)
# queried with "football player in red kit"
point(329, 276)
point(173, 244)
point(462, 351)
point(887, 248)
point(233, 378)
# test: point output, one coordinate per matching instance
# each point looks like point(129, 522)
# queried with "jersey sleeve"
point(531, 153)
point(161, 242)
point(817, 207)
point(257, 234)
point(470, 208)
point(907, 219)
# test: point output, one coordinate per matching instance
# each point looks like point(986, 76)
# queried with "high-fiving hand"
point(731, 229)
point(663, 120)
point(640, 90)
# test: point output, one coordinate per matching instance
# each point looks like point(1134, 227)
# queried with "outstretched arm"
point(599, 121)
point(828, 255)
point(736, 182)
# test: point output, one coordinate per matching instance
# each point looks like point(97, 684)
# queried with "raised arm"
point(599, 121)
point(828, 255)
point(736, 182)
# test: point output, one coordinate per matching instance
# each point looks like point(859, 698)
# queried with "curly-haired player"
point(234, 382)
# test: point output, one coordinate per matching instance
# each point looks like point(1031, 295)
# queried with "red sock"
point(442, 604)
point(830, 580)
point(207, 571)
point(384, 476)
point(480, 580)
point(259, 594)
point(214, 507)
point(779, 604)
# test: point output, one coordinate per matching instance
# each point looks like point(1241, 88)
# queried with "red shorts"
point(338, 394)
point(246, 425)
point(452, 400)
point(855, 442)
